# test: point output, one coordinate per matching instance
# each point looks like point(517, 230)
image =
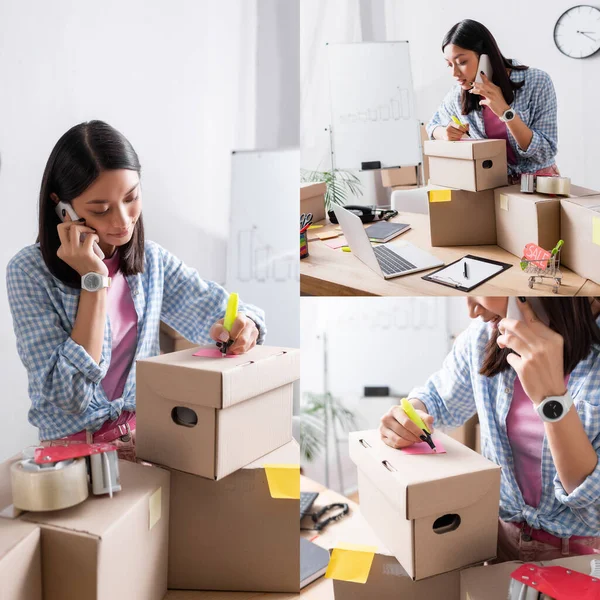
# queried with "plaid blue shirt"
point(535, 103)
point(64, 380)
point(457, 391)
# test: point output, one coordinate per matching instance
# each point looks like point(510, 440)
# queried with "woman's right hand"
point(453, 132)
point(398, 431)
point(79, 255)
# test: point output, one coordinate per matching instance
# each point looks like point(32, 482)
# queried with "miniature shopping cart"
point(542, 264)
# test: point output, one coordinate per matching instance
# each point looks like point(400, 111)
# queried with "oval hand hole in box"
point(182, 415)
point(446, 523)
point(487, 164)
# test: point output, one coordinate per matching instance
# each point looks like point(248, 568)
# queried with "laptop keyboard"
point(390, 262)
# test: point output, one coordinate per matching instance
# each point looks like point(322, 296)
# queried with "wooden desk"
point(589, 288)
point(321, 589)
point(327, 272)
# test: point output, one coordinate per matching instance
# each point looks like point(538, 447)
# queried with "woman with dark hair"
point(81, 321)
point(536, 390)
point(518, 104)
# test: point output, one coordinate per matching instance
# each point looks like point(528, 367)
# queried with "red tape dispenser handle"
point(53, 454)
point(558, 583)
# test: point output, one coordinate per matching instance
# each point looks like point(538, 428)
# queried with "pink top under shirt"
point(526, 433)
point(495, 129)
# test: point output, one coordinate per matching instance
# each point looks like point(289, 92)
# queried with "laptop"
point(389, 260)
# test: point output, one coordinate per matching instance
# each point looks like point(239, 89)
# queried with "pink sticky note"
point(337, 243)
point(212, 353)
point(423, 448)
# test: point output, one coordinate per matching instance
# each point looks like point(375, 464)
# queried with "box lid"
point(98, 514)
point(219, 382)
point(288, 454)
point(591, 202)
point(412, 482)
point(464, 149)
point(310, 190)
point(515, 192)
point(12, 533)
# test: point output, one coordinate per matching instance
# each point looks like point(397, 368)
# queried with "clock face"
point(577, 31)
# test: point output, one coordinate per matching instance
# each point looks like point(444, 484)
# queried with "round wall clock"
point(577, 31)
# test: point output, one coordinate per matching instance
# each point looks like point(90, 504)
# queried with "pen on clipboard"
point(457, 122)
point(230, 317)
point(465, 270)
point(411, 413)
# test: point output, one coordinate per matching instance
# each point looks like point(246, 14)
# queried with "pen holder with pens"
point(303, 244)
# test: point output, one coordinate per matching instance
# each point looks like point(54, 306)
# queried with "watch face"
point(553, 409)
point(93, 281)
point(509, 115)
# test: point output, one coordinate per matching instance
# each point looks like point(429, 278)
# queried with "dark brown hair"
point(573, 318)
point(76, 161)
point(472, 35)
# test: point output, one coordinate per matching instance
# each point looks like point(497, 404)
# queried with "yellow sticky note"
point(284, 481)
point(314, 226)
point(596, 230)
point(503, 201)
point(155, 508)
point(440, 195)
point(351, 562)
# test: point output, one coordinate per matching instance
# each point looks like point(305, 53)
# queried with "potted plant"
point(341, 185)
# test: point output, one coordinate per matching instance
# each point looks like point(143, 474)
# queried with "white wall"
point(179, 79)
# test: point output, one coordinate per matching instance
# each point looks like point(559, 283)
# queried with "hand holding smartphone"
point(513, 311)
point(63, 209)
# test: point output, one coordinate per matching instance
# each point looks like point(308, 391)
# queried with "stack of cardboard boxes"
point(430, 516)
point(222, 429)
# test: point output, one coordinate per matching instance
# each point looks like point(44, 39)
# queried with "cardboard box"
point(491, 582)
point(401, 176)
point(580, 230)
point(232, 534)
point(523, 219)
point(471, 165)
point(20, 561)
point(107, 547)
point(466, 434)
point(242, 406)
point(312, 199)
point(478, 438)
point(387, 580)
point(435, 513)
point(460, 218)
point(171, 341)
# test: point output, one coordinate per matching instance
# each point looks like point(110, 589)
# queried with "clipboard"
point(481, 270)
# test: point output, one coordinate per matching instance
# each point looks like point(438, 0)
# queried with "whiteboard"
point(263, 257)
point(373, 114)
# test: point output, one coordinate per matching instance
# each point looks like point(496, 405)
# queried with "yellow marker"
point(346, 249)
point(314, 226)
point(457, 121)
point(412, 414)
point(230, 316)
point(440, 195)
point(283, 481)
point(351, 562)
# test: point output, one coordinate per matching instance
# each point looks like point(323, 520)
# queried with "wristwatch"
point(554, 408)
point(508, 115)
point(92, 282)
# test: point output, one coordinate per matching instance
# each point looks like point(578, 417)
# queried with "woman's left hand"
point(244, 334)
point(493, 97)
point(539, 354)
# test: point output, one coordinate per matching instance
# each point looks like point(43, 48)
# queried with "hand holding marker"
point(230, 317)
point(411, 413)
point(460, 125)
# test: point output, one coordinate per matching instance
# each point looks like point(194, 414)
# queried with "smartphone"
point(486, 66)
point(513, 311)
point(63, 209)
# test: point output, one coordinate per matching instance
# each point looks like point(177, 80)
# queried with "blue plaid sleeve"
point(444, 113)
point(192, 305)
point(542, 120)
point(448, 394)
point(60, 371)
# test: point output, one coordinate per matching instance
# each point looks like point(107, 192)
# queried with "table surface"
point(321, 589)
point(328, 272)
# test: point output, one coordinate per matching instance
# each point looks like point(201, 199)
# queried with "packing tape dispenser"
point(545, 184)
point(57, 477)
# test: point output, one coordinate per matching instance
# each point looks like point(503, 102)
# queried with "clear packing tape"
point(557, 186)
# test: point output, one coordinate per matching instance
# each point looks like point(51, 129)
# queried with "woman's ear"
point(54, 198)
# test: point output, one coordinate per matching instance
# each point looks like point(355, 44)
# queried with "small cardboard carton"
point(20, 561)
point(580, 230)
point(312, 199)
point(385, 577)
point(466, 434)
point(172, 341)
point(107, 547)
point(400, 176)
point(491, 582)
point(241, 533)
point(460, 218)
point(211, 416)
point(523, 218)
point(471, 165)
point(434, 512)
